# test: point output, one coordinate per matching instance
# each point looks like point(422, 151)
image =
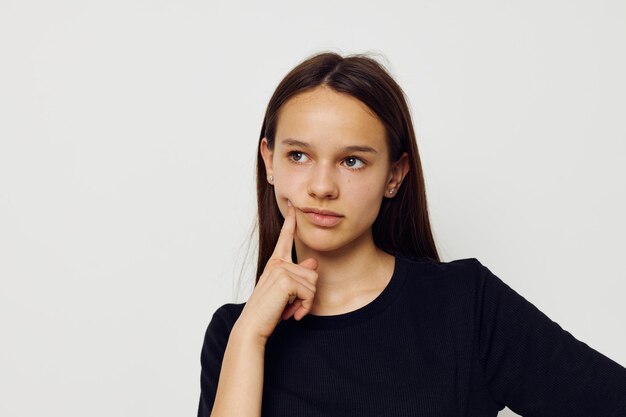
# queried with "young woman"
point(353, 313)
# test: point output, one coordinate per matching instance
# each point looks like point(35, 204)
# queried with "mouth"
point(322, 218)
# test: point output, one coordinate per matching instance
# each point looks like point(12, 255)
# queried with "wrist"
point(242, 333)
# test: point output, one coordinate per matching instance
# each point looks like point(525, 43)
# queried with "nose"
point(322, 183)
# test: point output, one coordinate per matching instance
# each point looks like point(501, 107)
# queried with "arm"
point(534, 366)
point(237, 358)
point(232, 370)
point(240, 388)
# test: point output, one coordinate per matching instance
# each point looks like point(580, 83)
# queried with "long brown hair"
point(402, 226)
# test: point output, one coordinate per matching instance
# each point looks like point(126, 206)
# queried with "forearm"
point(240, 387)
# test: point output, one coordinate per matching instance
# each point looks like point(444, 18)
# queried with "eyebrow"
point(353, 148)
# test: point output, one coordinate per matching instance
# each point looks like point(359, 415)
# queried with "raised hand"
point(284, 288)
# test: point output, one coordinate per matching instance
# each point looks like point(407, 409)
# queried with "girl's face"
point(330, 153)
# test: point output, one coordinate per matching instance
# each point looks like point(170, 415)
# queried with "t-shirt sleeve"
point(211, 356)
point(535, 367)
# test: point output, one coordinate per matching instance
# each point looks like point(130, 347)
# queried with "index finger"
point(287, 233)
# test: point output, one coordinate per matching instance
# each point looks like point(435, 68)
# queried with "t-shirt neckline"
point(373, 308)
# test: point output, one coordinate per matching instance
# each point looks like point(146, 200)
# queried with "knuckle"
point(284, 281)
point(275, 261)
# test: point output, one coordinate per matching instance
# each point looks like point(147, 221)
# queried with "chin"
point(326, 241)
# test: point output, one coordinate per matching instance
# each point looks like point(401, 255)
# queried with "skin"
point(352, 271)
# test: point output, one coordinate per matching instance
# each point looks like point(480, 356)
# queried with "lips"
point(320, 211)
point(322, 218)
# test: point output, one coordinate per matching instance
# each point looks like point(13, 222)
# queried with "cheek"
point(288, 181)
point(366, 190)
point(364, 200)
point(287, 187)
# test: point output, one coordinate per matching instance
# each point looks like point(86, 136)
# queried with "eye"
point(295, 156)
point(352, 160)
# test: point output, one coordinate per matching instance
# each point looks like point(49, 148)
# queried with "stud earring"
point(391, 191)
point(270, 178)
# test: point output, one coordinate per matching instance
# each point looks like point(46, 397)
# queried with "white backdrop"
point(128, 133)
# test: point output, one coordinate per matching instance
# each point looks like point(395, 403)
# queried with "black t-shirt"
point(442, 339)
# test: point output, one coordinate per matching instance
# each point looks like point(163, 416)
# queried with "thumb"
point(310, 263)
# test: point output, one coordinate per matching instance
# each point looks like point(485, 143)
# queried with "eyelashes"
point(290, 158)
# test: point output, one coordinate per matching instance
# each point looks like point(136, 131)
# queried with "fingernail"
point(288, 203)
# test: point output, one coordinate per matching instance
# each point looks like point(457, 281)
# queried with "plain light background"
point(128, 137)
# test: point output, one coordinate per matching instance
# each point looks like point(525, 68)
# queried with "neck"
point(349, 276)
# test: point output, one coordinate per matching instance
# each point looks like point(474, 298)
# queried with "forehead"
point(326, 118)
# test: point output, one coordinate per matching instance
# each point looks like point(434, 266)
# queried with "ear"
point(267, 155)
point(397, 172)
